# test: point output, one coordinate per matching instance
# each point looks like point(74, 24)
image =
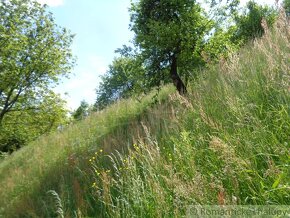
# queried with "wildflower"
point(136, 147)
point(101, 150)
point(94, 185)
point(90, 160)
point(97, 172)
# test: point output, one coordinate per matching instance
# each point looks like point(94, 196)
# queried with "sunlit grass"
point(55, 162)
point(227, 142)
point(230, 144)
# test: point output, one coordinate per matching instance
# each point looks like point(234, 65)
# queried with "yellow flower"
point(101, 150)
point(136, 147)
point(94, 184)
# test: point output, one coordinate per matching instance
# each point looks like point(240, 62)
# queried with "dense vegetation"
point(218, 136)
point(227, 142)
point(175, 39)
point(34, 54)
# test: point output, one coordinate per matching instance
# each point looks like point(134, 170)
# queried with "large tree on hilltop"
point(168, 33)
point(34, 53)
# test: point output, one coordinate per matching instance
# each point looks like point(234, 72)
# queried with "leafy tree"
point(169, 34)
point(222, 11)
point(124, 78)
point(34, 53)
point(220, 45)
point(249, 23)
point(286, 5)
point(82, 111)
point(20, 127)
point(182, 42)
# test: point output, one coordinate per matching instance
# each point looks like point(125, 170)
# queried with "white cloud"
point(52, 3)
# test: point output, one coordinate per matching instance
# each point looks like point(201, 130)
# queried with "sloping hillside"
point(227, 142)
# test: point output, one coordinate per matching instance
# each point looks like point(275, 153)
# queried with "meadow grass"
point(229, 144)
point(59, 161)
point(225, 143)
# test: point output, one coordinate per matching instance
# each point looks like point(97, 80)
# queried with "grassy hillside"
point(227, 142)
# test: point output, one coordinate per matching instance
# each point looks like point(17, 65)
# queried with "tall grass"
point(230, 144)
point(225, 143)
point(60, 161)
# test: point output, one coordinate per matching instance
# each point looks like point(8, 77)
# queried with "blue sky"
point(101, 26)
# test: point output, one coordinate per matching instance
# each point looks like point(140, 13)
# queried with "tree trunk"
point(2, 113)
point(178, 83)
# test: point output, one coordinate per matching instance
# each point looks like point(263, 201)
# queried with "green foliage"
point(82, 111)
point(219, 41)
point(249, 24)
point(169, 34)
point(220, 45)
point(222, 11)
point(226, 142)
point(34, 53)
point(286, 5)
point(173, 40)
point(230, 145)
point(125, 78)
point(62, 165)
point(20, 127)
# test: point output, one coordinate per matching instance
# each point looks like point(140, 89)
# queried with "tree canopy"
point(286, 5)
point(82, 111)
point(174, 39)
point(249, 23)
point(21, 127)
point(169, 33)
point(124, 77)
point(34, 54)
